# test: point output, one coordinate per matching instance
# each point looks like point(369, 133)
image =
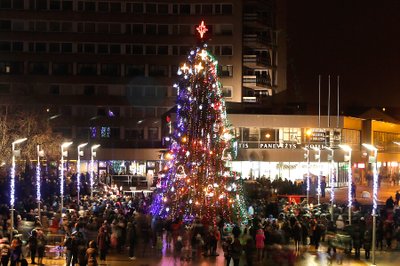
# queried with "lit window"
point(105, 132)
point(93, 132)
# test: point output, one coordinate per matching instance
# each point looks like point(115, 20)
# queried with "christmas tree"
point(197, 180)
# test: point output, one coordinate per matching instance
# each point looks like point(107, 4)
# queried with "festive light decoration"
point(374, 161)
point(202, 29)
point(40, 153)
point(64, 153)
point(331, 159)
point(348, 149)
point(92, 155)
point(12, 181)
point(38, 174)
point(318, 157)
point(78, 170)
point(307, 156)
point(196, 181)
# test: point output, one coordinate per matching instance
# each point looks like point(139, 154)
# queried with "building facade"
point(103, 71)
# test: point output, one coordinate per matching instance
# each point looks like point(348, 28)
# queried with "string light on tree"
point(197, 180)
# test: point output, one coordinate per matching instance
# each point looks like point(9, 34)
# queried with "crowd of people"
point(276, 231)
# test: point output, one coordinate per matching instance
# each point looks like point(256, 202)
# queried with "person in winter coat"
point(388, 232)
point(367, 243)
point(5, 250)
point(103, 243)
point(316, 235)
point(226, 247)
point(214, 238)
point(32, 242)
point(131, 239)
point(297, 235)
point(236, 247)
point(72, 249)
point(41, 246)
point(260, 237)
point(91, 254)
point(249, 251)
point(82, 246)
point(357, 239)
point(16, 251)
point(178, 246)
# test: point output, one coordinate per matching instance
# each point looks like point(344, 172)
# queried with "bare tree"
point(27, 122)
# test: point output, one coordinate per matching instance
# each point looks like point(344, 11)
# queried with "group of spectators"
point(278, 232)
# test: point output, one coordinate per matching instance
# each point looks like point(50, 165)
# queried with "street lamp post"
point(307, 155)
point(40, 153)
point(331, 179)
point(64, 153)
point(78, 170)
point(15, 153)
point(93, 154)
point(348, 149)
point(373, 160)
point(318, 157)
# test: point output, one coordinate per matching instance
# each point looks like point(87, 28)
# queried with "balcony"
point(257, 41)
point(252, 61)
point(257, 82)
point(250, 99)
point(257, 19)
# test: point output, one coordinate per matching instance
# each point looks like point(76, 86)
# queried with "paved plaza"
point(310, 258)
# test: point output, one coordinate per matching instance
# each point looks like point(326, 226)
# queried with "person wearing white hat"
point(340, 223)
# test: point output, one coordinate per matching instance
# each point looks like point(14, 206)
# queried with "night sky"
point(358, 40)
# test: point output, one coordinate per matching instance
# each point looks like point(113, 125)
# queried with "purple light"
point(93, 132)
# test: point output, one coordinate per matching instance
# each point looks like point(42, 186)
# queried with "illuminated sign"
point(272, 146)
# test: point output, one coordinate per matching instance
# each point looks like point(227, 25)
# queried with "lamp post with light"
point(78, 170)
point(92, 155)
point(64, 153)
point(373, 160)
point(347, 158)
point(307, 156)
point(15, 153)
point(40, 153)
point(318, 157)
point(331, 180)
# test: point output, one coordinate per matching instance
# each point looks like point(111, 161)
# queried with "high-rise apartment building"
point(104, 70)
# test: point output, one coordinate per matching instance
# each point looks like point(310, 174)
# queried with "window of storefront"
point(385, 140)
point(351, 137)
point(291, 135)
point(268, 134)
point(250, 134)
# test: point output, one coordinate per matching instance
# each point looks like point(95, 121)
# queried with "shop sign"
point(278, 146)
point(318, 135)
point(315, 146)
point(272, 146)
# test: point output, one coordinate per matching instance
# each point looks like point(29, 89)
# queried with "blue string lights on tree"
point(197, 180)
